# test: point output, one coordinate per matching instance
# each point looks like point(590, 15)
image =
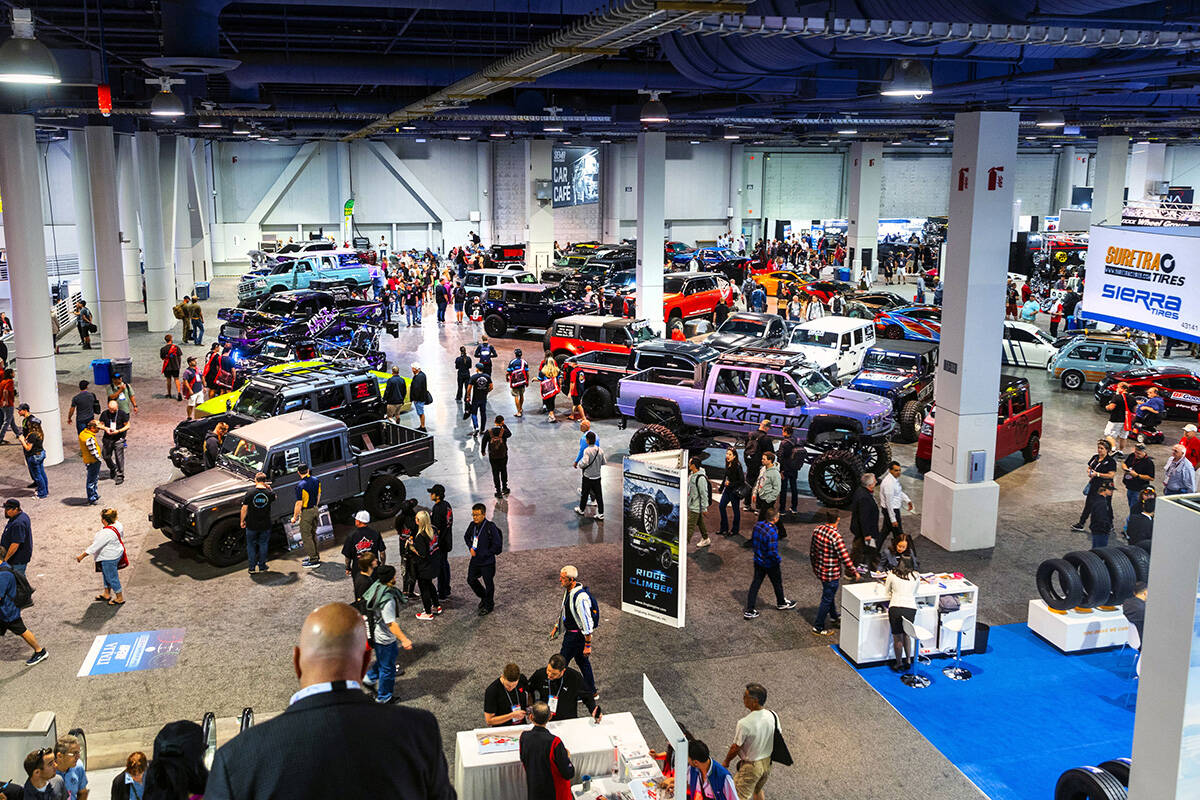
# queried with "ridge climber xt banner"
point(654, 563)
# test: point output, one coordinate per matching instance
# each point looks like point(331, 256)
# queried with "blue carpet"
point(1028, 714)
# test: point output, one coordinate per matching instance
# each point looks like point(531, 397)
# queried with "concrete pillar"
point(539, 222)
point(203, 198)
point(106, 233)
point(862, 220)
point(185, 276)
point(1146, 164)
point(737, 155)
point(1108, 189)
point(83, 222)
point(33, 342)
point(127, 193)
point(651, 205)
point(160, 278)
point(1064, 177)
point(345, 190)
point(612, 191)
point(961, 505)
point(485, 181)
point(167, 185)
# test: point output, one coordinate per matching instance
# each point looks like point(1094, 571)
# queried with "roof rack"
point(318, 376)
point(762, 357)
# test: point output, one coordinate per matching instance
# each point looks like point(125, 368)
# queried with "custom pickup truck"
point(843, 432)
point(744, 329)
point(299, 273)
point(359, 466)
point(597, 373)
point(1018, 425)
point(903, 372)
point(332, 316)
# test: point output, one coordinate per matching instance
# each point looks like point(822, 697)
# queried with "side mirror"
point(791, 400)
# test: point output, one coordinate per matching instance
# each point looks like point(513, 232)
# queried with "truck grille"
point(164, 515)
point(879, 390)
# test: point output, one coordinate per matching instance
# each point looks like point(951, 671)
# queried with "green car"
point(664, 552)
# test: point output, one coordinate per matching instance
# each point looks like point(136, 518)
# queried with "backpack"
point(22, 591)
point(374, 599)
point(497, 445)
point(595, 608)
point(178, 311)
point(704, 490)
point(519, 377)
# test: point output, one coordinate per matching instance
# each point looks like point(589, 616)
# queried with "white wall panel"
point(915, 186)
point(1185, 165)
point(447, 169)
point(801, 186)
point(243, 184)
point(697, 182)
point(508, 205)
point(379, 198)
point(1034, 185)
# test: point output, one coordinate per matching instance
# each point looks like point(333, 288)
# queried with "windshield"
point(813, 384)
point(275, 350)
point(526, 277)
point(276, 305)
point(927, 314)
point(243, 453)
point(892, 362)
point(279, 269)
point(255, 402)
point(640, 331)
point(814, 337)
point(750, 327)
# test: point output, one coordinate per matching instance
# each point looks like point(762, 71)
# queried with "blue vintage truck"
point(342, 269)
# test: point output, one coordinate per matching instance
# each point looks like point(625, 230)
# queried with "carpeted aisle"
point(1028, 713)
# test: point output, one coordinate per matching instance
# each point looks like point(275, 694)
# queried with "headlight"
point(190, 519)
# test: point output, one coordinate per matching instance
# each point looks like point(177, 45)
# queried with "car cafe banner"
point(574, 176)
point(654, 563)
point(1145, 279)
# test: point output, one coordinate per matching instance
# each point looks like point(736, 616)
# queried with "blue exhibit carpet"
point(1028, 714)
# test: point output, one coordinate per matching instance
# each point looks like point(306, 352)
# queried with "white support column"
point(203, 198)
point(106, 234)
point(33, 342)
point(1064, 177)
point(651, 209)
point(865, 179)
point(961, 504)
point(484, 180)
point(127, 193)
point(1146, 163)
point(345, 190)
point(83, 222)
point(167, 185)
point(160, 278)
point(737, 155)
point(611, 192)
point(539, 222)
point(185, 275)
point(1108, 191)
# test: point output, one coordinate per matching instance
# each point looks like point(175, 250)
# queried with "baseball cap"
point(23, 407)
point(1139, 446)
point(1190, 427)
point(363, 517)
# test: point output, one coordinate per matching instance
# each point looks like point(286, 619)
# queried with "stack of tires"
point(1109, 781)
point(1091, 578)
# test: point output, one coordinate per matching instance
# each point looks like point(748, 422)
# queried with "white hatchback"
point(834, 345)
point(1027, 345)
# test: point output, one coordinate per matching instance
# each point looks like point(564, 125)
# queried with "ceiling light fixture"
point(210, 123)
point(848, 131)
point(408, 127)
point(906, 77)
point(654, 112)
point(23, 59)
point(165, 103)
point(242, 131)
point(695, 141)
point(941, 138)
point(497, 134)
point(1050, 119)
point(729, 134)
point(463, 138)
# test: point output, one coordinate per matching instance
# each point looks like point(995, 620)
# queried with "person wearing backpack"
point(382, 600)
point(707, 780)
point(590, 464)
point(578, 617)
point(16, 542)
point(182, 313)
point(517, 373)
point(699, 498)
point(495, 447)
point(15, 596)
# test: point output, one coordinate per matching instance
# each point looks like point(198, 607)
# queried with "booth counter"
point(866, 635)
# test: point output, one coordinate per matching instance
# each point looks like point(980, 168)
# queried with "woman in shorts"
point(901, 587)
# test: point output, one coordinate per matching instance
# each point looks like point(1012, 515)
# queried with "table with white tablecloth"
point(500, 776)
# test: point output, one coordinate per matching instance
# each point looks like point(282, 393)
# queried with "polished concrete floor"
point(240, 629)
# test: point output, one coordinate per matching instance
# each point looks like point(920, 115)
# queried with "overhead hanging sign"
point(654, 543)
point(1145, 279)
point(574, 176)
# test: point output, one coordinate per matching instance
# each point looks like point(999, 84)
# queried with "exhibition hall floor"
point(236, 650)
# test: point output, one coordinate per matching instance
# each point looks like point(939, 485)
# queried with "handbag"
point(1087, 487)
point(123, 561)
point(779, 749)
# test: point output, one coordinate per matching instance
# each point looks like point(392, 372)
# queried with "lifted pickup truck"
point(598, 372)
point(332, 316)
point(903, 372)
point(842, 431)
point(298, 274)
point(361, 465)
point(1018, 425)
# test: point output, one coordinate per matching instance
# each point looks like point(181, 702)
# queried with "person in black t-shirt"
point(1119, 412)
point(363, 539)
point(115, 424)
point(561, 688)
point(477, 394)
point(256, 521)
point(462, 365)
point(363, 577)
point(171, 355)
point(1101, 469)
point(506, 699)
point(442, 518)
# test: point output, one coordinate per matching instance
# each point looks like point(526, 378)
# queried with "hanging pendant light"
point(654, 112)
point(1050, 119)
point(165, 103)
point(906, 77)
point(23, 59)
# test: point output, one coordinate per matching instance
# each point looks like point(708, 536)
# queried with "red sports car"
point(1178, 387)
point(825, 290)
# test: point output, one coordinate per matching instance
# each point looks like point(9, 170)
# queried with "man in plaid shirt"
point(828, 555)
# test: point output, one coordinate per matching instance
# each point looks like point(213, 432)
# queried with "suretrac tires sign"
point(1148, 280)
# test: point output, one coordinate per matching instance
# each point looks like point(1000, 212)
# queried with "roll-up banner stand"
point(1145, 279)
point(654, 566)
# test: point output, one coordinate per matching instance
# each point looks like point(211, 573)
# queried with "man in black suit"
point(395, 751)
point(864, 521)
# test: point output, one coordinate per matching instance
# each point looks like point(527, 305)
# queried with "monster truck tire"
point(1140, 560)
point(1121, 574)
point(875, 458)
point(652, 439)
point(1093, 573)
point(597, 402)
point(384, 496)
point(1119, 769)
point(225, 544)
point(833, 477)
point(1088, 783)
point(643, 512)
point(912, 416)
point(1068, 579)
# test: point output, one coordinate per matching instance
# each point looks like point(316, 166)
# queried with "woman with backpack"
point(108, 551)
point(424, 547)
point(495, 447)
point(548, 378)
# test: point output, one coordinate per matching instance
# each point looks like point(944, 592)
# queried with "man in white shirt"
point(753, 741)
point(891, 497)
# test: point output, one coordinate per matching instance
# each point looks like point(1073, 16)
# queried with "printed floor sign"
point(132, 652)
point(654, 570)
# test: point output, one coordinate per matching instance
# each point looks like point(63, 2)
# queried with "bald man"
point(396, 751)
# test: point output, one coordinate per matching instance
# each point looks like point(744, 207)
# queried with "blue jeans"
point(80, 424)
point(1133, 497)
point(790, 478)
point(18, 567)
point(6, 422)
point(479, 416)
point(256, 547)
point(112, 579)
point(197, 331)
point(828, 593)
point(91, 482)
point(37, 471)
point(410, 315)
point(441, 312)
point(729, 498)
point(572, 647)
point(383, 669)
point(1099, 540)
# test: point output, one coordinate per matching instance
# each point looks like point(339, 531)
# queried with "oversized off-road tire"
point(1093, 574)
point(561, 355)
point(643, 513)
point(912, 416)
point(597, 402)
point(665, 559)
point(494, 326)
point(1070, 592)
point(278, 288)
point(1119, 769)
point(1121, 574)
point(923, 465)
point(1032, 448)
point(1088, 783)
point(225, 544)
point(893, 331)
point(1140, 560)
point(1072, 380)
point(384, 496)
point(652, 439)
point(658, 412)
point(875, 457)
point(834, 476)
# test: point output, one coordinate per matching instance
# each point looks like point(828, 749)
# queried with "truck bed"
point(601, 358)
point(663, 377)
point(383, 443)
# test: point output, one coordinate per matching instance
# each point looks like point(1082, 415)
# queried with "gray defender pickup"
point(358, 466)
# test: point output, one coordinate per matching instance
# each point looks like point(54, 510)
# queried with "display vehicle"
point(300, 273)
point(694, 294)
point(596, 373)
point(748, 329)
point(1179, 388)
point(518, 306)
point(583, 333)
point(834, 345)
point(1018, 425)
point(915, 322)
point(1091, 357)
point(331, 316)
point(903, 372)
point(1026, 345)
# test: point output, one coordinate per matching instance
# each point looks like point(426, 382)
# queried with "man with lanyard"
point(707, 780)
point(506, 699)
point(517, 373)
point(484, 353)
point(170, 355)
point(441, 516)
point(575, 620)
point(256, 521)
point(561, 688)
point(306, 513)
point(212, 366)
point(115, 424)
point(192, 385)
point(485, 542)
point(477, 393)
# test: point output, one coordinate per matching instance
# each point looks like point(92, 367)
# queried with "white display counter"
point(1072, 631)
point(866, 635)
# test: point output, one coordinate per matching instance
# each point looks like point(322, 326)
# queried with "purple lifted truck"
point(843, 432)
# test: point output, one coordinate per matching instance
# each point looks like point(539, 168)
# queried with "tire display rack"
point(1081, 596)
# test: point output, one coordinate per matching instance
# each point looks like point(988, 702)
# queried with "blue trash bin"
point(102, 371)
point(843, 274)
point(201, 292)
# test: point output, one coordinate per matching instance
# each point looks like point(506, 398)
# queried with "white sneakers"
point(705, 542)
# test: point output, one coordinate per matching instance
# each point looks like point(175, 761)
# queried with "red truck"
point(1018, 425)
point(585, 333)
